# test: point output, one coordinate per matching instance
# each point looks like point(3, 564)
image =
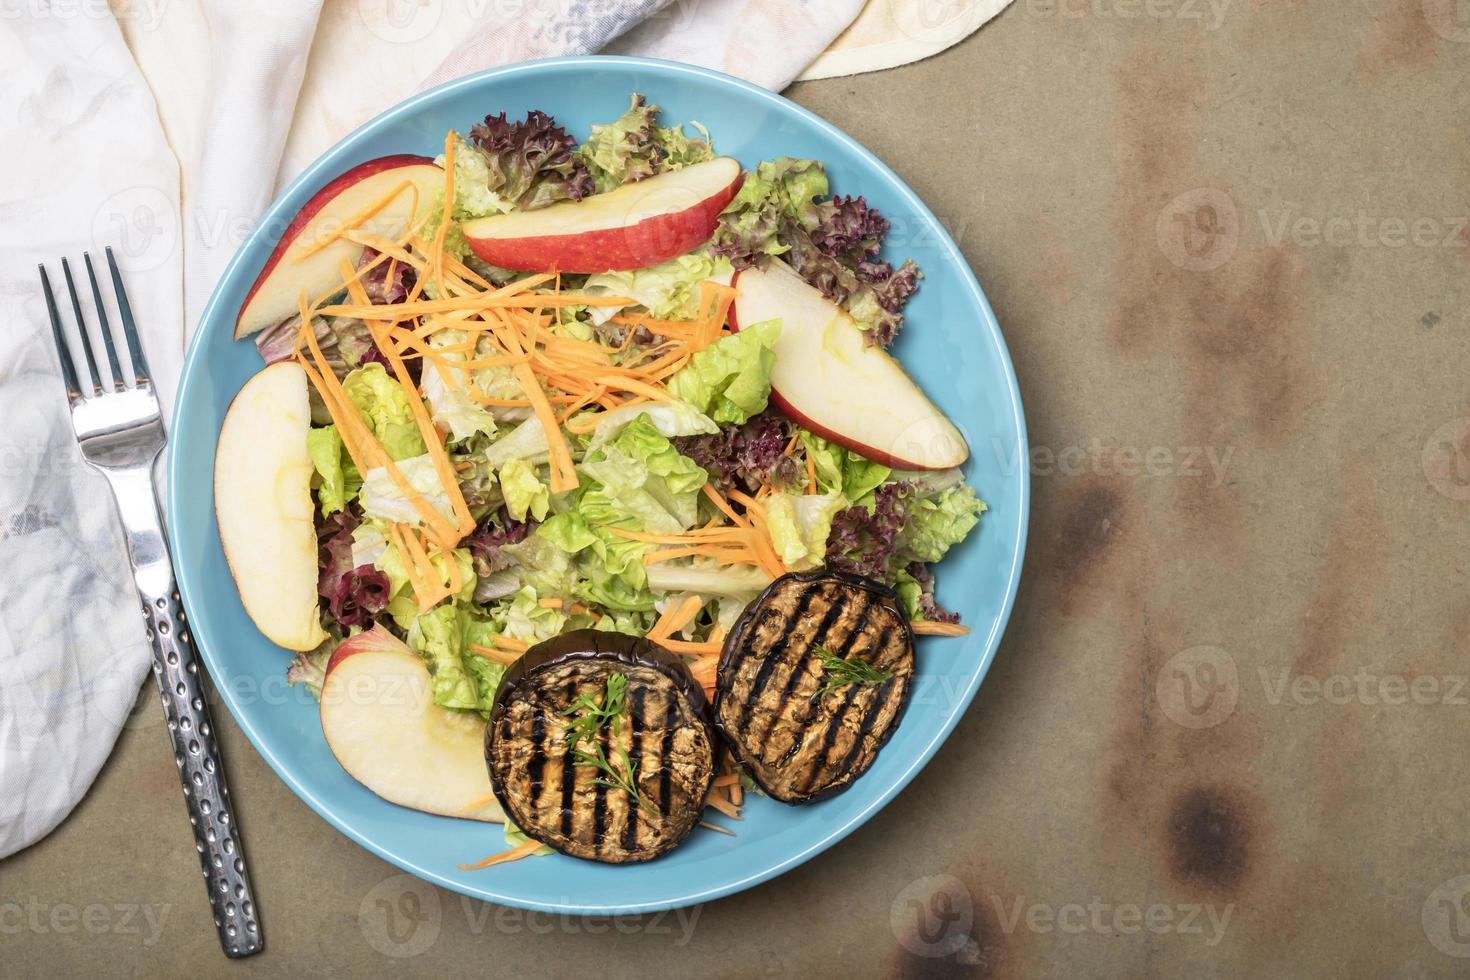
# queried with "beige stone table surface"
point(1226, 732)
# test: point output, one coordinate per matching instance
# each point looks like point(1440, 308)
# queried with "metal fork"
point(121, 433)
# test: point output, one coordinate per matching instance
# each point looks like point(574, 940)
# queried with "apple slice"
point(829, 379)
point(262, 501)
point(381, 722)
point(381, 197)
point(630, 227)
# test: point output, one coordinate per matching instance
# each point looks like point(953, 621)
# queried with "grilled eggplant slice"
point(664, 728)
point(780, 700)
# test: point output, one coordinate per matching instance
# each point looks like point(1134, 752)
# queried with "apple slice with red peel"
point(381, 723)
point(301, 263)
point(262, 502)
point(832, 381)
point(630, 227)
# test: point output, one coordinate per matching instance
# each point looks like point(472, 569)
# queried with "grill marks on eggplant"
point(799, 747)
point(664, 730)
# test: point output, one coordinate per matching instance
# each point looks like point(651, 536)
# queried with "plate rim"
point(838, 831)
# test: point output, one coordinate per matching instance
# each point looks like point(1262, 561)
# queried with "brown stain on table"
point(988, 951)
point(1400, 36)
point(1353, 560)
point(1210, 838)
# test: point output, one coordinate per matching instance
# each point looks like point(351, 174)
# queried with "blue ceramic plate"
point(952, 345)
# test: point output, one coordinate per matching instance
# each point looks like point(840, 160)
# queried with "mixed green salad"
point(668, 491)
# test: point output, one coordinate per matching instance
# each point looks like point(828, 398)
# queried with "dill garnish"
point(842, 671)
point(591, 714)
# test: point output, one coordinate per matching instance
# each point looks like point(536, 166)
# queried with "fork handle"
point(176, 669)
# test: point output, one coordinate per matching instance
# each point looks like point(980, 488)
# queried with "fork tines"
point(115, 380)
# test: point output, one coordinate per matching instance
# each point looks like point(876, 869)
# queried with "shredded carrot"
point(554, 602)
point(496, 654)
point(926, 627)
point(505, 857)
point(475, 805)
point(365, 214)
point(714, 802)
point(811, 474)
point(723, 505)
point(676, 618)
point(728, 779)
point(690, 648)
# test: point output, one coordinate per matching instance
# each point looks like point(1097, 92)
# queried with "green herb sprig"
point(591, 714)
point(842, 671)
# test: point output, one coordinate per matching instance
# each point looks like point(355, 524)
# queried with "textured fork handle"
point(176, 669)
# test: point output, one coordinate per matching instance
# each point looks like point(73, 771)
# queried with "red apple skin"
point(647, 243)
point(318, 201)
point(360, 643)
point(786, 408)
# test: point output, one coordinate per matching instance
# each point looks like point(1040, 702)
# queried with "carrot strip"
point(676, 618)
point(714, 802)
point(505, 857)
point(718, 501)
point(925, 627)
point(690, 648)
point(475, 805)
point(496, 654)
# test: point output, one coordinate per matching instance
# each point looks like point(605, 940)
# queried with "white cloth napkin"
point(93, 158)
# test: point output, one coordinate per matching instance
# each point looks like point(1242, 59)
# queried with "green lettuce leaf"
point(460, 679)
point(642, 477)
point(451, 406)
point(669, 290)
point(777, 191)
point(382, 499)
point(731, 379)
point(524, 493)
point(841, 469)
point(634, 146)
point(800, 525)
point(522, 617)
point(935, 524)
point(740, 582)
point(324, 446)
point(384, 406)
point(403, 606)
point(670, 418)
